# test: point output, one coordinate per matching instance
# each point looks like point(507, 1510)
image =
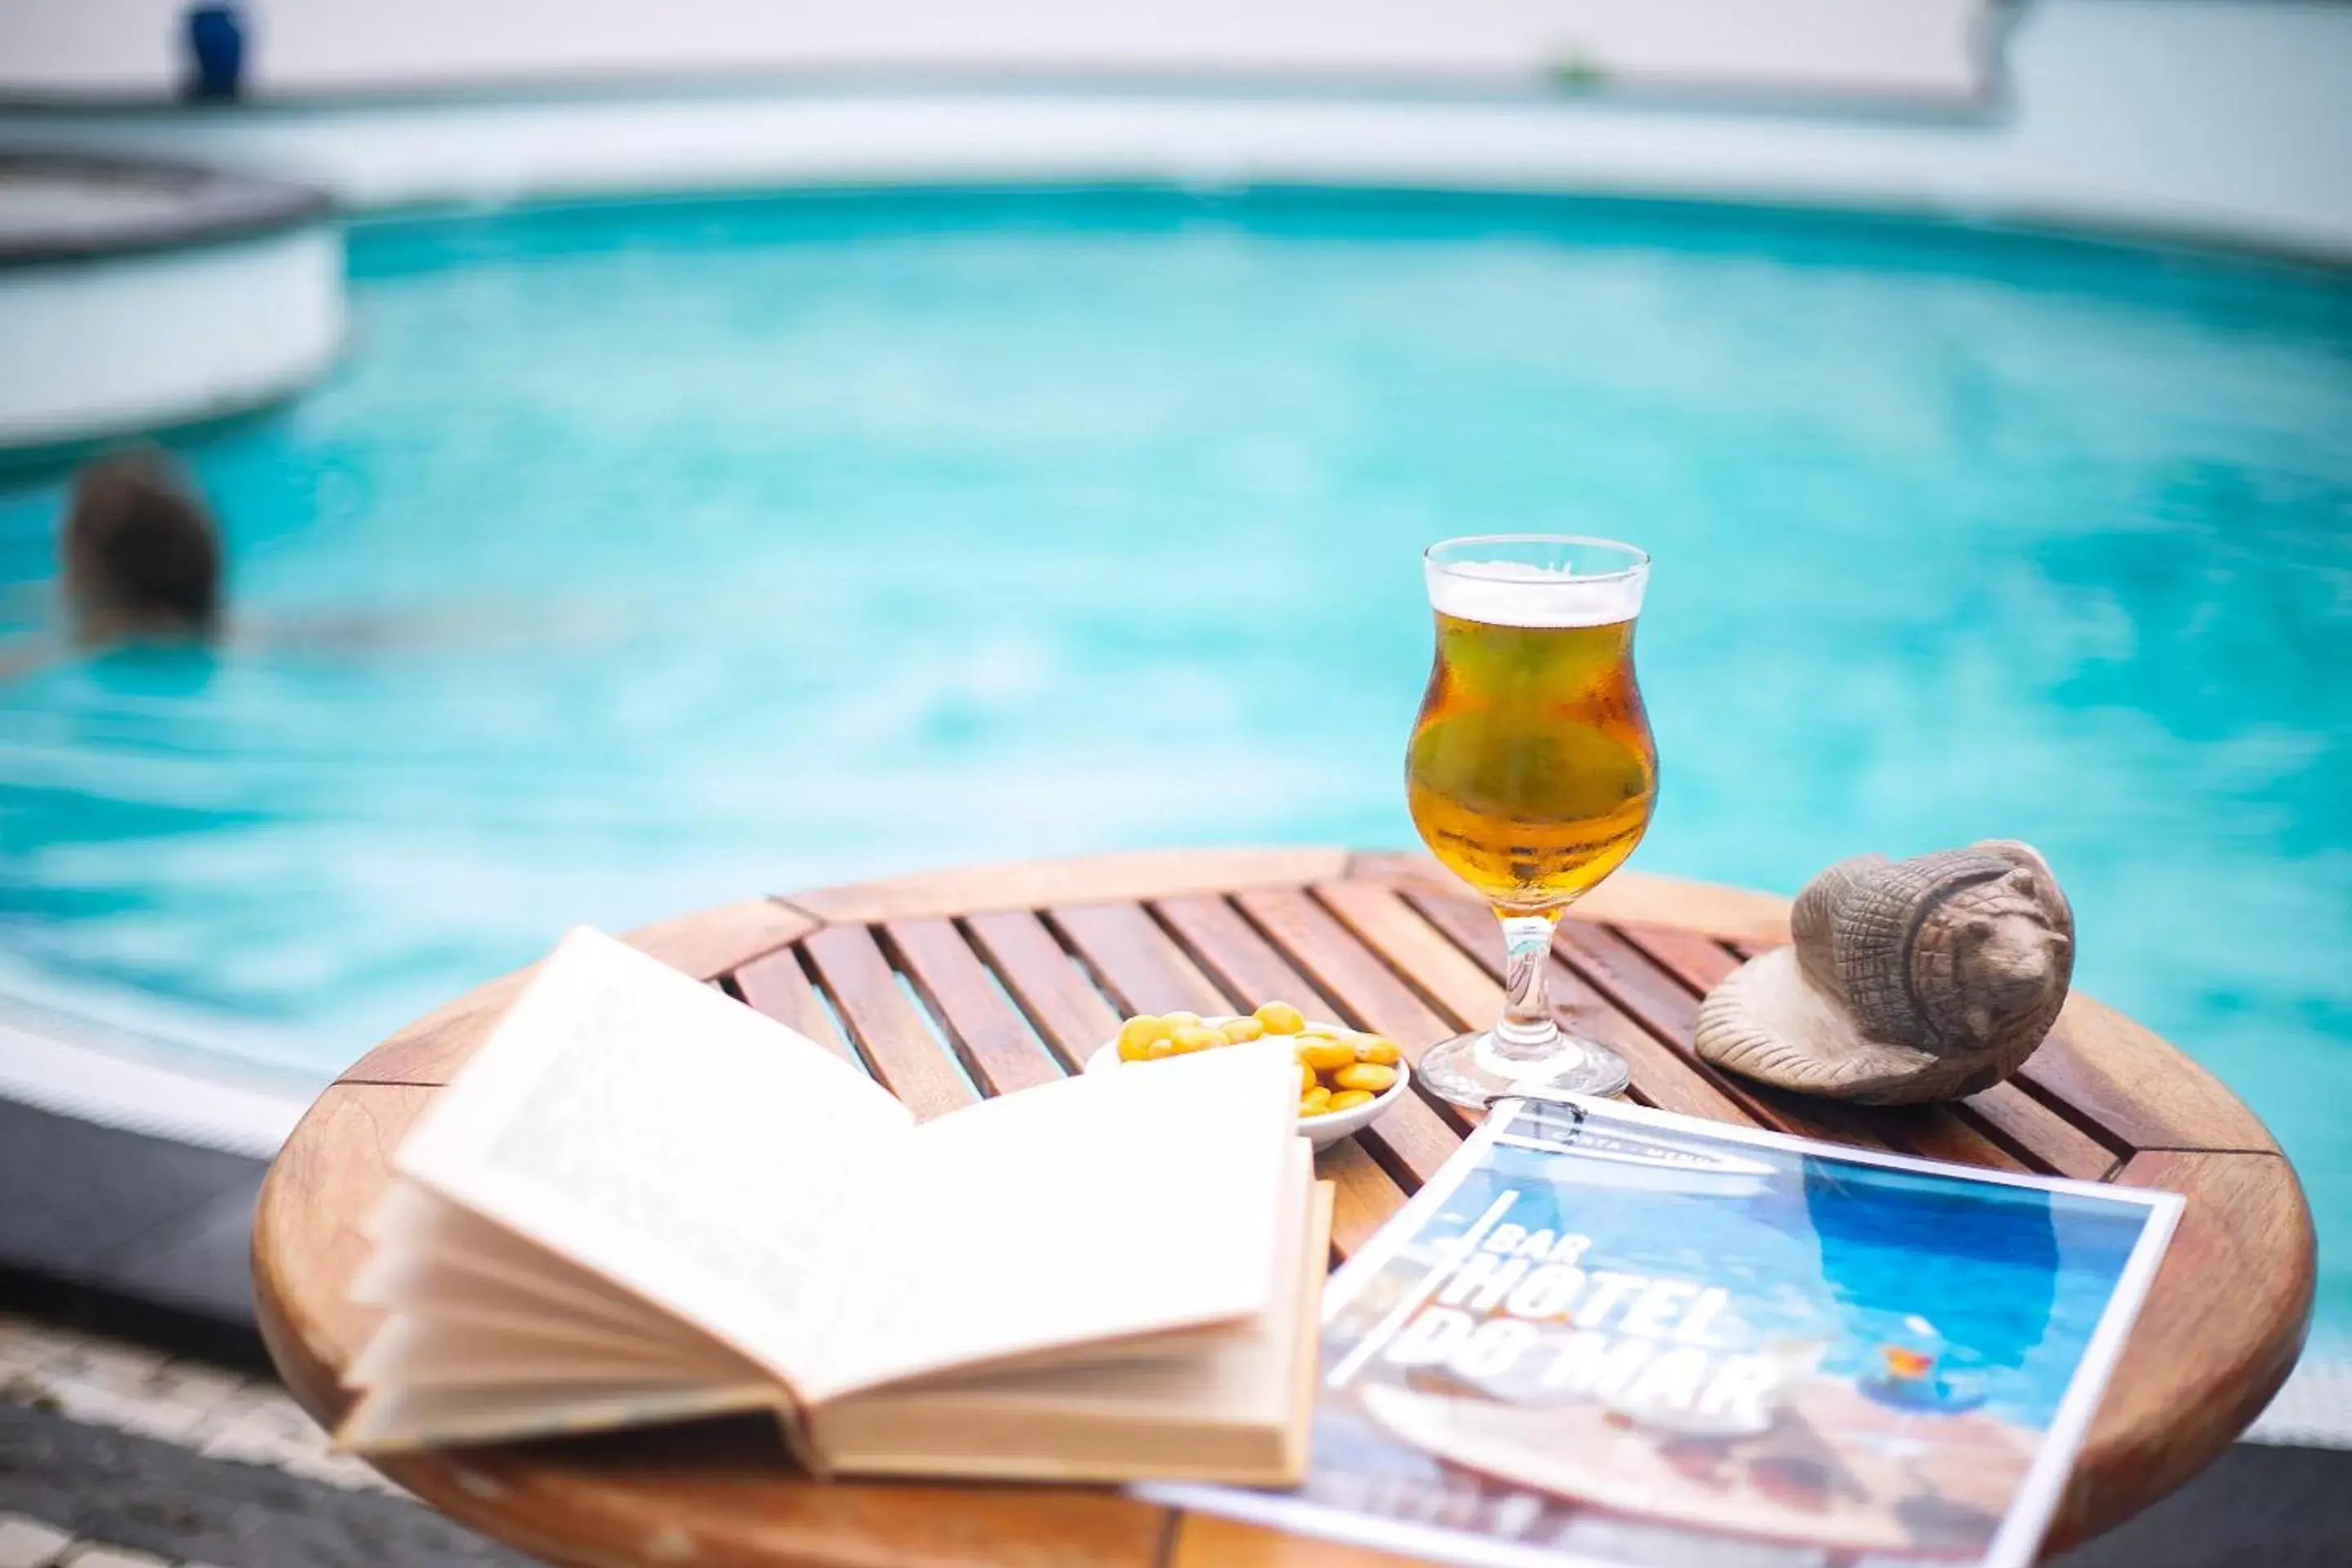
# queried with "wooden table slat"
point(1665, 1004)
point(1697, 961)
point(1368, 997)
point(2110, 1073)
point(1663, 1077)
point(1135, 960)
point(1456, 984)
point(2121, 1085)
point(1147, 973)
point(1629, 977)
point(1939, 1132)
point(1365, 1196)
point(1068, 1013)
point(994, 1041)
point(2025, 1131)
point(777, 985)
point(899, 1043)
point(1411, 1142)
point(1627, 898)
point(2045, 1137)
point(1367, 991)
point(1662, 977)
point(1243, 964)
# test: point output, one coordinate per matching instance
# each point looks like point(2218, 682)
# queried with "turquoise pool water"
point(641, 556)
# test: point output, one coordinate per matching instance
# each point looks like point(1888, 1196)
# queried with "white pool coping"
point(2315, 1409)
point(103, 346)
point(98, 1074)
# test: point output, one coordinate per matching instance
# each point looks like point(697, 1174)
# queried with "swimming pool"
point(640, 556)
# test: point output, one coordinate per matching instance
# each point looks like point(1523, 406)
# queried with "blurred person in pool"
point(141, 562)
point(138, 564)
point(141, 555)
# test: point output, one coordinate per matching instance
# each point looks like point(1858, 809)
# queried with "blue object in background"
point(215, 38)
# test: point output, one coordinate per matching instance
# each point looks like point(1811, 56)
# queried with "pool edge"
point(131, 1186)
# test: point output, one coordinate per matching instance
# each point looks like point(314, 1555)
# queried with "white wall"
point(1894, 48)
point(95, 347)
point(2222, 118)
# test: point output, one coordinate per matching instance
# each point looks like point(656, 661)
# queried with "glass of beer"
point(1531, 775)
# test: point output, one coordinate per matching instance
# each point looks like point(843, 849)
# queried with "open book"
point(642, 1201)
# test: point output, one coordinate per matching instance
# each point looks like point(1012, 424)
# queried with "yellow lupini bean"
point(1338, 1069)
point(1325, 1055)
point(1136, 1032)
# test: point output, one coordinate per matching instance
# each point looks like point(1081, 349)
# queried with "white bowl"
point(1317, 1129)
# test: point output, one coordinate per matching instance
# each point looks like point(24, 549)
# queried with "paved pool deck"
point(115, 1454)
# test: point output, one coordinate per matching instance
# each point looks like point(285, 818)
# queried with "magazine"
point(1605, 1334)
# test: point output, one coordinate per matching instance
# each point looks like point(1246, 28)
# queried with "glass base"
point(1468, 1070)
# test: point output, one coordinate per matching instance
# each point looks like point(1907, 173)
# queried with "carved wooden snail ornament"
point(1908, 980)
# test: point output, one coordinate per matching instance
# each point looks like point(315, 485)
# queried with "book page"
point(390, 1419)
point(665, 1137)
point(481, 1351)
point(1235, 1408)
point(429, 1251)
point(1228, 1373)
point(1110, 1205)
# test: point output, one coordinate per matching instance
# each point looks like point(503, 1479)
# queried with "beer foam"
point(1513, 593)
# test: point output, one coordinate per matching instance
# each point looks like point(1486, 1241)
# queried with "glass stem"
point(1527, 1028)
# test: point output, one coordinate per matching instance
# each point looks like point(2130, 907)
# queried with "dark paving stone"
point(133, 1491)
point(71, 1305)
point(201, 1262)
point(2259, 1506)
point(79, 1192)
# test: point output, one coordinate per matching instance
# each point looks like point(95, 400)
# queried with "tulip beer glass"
point(1531, 775)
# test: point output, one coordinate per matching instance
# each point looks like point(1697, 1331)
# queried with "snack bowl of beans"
point(1347, 1078)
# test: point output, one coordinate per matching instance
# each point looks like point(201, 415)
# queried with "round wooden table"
point(1384, 941)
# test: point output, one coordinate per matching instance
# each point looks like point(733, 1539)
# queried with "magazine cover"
point(1606, 1334)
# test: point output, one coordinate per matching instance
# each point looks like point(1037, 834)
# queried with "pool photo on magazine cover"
point(1611, 1335)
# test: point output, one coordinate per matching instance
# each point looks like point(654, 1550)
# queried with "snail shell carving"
point(1906, 980)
